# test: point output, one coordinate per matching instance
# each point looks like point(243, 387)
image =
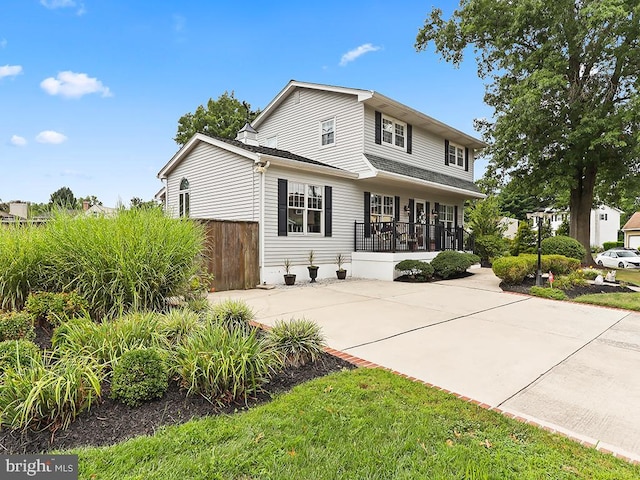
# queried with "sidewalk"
point(567, 366)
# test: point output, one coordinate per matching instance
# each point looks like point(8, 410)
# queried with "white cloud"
point(74, 85)
point(3, 43)
point(18, 141)
point(351, 55)
point(49, 136)
point(10, 70)
point(53, 4)
point(179, 22)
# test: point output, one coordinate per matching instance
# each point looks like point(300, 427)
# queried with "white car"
point(618, 259)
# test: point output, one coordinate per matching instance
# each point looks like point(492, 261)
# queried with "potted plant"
point(341, 272)
point(289, 278)
point(313, 269)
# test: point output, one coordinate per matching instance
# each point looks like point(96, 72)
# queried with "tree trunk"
point(580, 205)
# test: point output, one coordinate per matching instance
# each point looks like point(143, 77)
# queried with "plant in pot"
point(289, 278)
point(313, 269)
point(341, 272)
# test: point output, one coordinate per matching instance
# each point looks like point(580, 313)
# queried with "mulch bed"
point(574, 292)
point(417, 279)
point(111, 422)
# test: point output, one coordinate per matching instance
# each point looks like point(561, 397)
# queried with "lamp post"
point(539, 271)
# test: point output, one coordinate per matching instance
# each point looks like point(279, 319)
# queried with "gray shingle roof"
point(275, 152)
point(420, 173)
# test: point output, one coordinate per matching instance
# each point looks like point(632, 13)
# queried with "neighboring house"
point(605, 223)
point(631, 231)
point(100, 211)
point(334, 170)
point(511, 227)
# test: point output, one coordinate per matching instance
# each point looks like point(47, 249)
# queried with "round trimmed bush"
point(55, 308)
point(16, 326)
point(449, 263)
point(140, 375)
point(512, 270)
point(421, 271)
point(561, 245)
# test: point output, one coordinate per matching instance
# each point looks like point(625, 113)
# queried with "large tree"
point(220, 118)
point(63, 198)
point(562, 77)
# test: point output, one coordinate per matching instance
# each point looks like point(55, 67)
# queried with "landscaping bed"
point(110, 421)
point(573, 292)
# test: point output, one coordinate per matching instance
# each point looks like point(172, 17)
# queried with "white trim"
point(394, 122)
point(455, 163)
point(436, 186)
point(333, 143)
point(308, 167)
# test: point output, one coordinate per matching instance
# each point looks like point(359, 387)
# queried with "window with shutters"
point(456, 155)
point(394, 132)
point(381, 208)
point(305, 208)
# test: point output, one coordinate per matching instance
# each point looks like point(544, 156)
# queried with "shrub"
point(561, 245)
point(55, 307)
point(132, 261)
point(232, 314)
point(559, 264)
point(591, 273)
point(489, 247)
point(16, 326)
point(49, 395)
point(421, 271)
point(610, 245)
point(223, 364)
point(297, 341)
point(566, 282)
point(106, 342)
point(21, 259)
point(545, 292)
point(141, 375)
point(512, 270)
point(450, 263)
point(177, 324)
point(17, 353)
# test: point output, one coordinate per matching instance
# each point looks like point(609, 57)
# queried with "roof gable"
point(633, 223)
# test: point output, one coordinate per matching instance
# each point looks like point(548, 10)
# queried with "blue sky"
point(91, 90)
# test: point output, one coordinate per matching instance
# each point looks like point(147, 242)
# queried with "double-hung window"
point(305, 208)
point(328, 132)
point(446, 215)
point(456, 155)
point(394, 132)
point(381, 208)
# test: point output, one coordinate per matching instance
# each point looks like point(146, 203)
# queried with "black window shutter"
point(378, 128)
point(328, 212)
point(396, 208)
point(412, 228)
point(455, 216)
point(409, 138)
point(446, 152)
point(282, 207)
point(466, 159)
point(367, 214)
point(436, 207)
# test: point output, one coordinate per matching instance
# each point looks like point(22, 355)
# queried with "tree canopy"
point(562, 78)
point(63, 198)
point(220, 118)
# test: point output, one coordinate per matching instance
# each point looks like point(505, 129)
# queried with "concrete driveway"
point(574, 368)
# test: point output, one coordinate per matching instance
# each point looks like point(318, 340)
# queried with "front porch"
point(396, 236)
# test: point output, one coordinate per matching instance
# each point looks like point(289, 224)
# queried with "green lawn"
point(628, 275)
point(628, 301)
point(364, 424)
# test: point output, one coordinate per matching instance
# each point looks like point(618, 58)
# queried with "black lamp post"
point(539, 272)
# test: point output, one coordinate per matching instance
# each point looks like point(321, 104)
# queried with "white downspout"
point(261, 168)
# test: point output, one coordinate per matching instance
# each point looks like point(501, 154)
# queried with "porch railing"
point(409, 237)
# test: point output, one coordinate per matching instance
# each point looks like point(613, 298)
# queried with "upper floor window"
point(305, 208)
point(394, 132)
point(456, 155)
point(271, 142)
point(381, 208)
point(183, 198)
point(328, 132)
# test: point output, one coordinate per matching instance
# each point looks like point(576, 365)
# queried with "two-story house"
point(333, 170)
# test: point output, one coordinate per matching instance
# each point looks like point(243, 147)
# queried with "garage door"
point(634, 241)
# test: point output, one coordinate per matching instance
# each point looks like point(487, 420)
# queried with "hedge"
point(561, 245)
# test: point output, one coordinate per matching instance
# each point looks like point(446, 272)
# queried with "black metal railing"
point(409, 237)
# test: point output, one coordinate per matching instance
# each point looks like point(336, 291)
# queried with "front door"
point(420, 216)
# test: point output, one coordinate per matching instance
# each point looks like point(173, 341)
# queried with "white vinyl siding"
point(427, 149)
point(347, 207)
point(298, 126)
point(221, 185)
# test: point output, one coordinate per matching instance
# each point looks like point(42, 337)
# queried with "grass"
point(368, 424)
point(628, 301)
point(629, 275)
